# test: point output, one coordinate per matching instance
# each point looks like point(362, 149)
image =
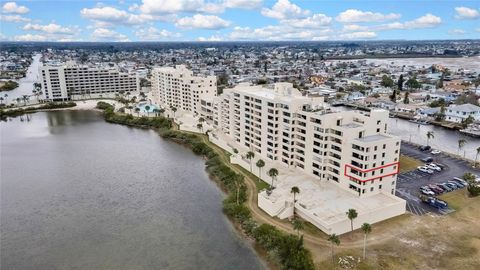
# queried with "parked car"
point(427, 192)
point(452, 186)
point(459, 180)
point(425, 148)
point(458, 184)
point(425, 169)
point(436, 189)
point(427, 159)
point(434, 167)
point(435, 152)
point(445, 187)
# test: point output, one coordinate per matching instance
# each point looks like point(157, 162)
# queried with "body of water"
point(25, 85)
point(79, 193)
point(444, 139)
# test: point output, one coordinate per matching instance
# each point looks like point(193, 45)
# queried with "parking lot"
point(409, 183)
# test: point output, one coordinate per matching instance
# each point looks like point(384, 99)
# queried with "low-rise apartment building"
point(71, 80)
point(178, 87)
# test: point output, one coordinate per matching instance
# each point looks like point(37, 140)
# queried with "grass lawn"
point(457, 199)
point(261, 185)
point(409, 164)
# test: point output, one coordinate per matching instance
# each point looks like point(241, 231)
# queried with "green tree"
point(352, 214)
point(461, 144)
point(473, 188)
point(387, 81)
point(200, 127)
point(273, 174)
point(406, 100)
point(147, 109)
point(137, 110)
point(412, 83)
point(333, 239)
point(298, 225)
point(400, 82)
point(295, 190)
point(393, 96)
point(250, 155)
point(260, 164)
point(430, 136)
point(174, 109)
point(476, 157)
point(366, 228)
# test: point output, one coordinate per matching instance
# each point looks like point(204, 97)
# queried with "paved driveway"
point(409, 183)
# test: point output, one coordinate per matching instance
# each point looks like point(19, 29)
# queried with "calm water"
point(79, 193)
point(445, 139)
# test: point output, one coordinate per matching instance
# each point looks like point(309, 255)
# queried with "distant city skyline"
point(238, 20)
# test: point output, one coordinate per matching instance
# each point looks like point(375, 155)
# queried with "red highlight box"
point(369, 170)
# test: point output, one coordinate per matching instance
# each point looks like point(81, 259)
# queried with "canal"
point(80, 193)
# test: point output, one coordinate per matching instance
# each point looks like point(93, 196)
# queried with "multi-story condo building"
point(63, 82)
point(347, 148)
point(178, 87)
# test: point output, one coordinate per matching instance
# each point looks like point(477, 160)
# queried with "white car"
point(435, 152)
point(434, 167)
point(425, 169)
point(427, 192)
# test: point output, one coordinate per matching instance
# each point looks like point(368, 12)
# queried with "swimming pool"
point(147, 108)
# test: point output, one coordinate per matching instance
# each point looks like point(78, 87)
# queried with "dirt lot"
point(422, 242)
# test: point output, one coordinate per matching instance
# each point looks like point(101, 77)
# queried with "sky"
point(238, 20)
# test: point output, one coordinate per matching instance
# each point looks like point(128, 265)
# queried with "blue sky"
point(228, 20)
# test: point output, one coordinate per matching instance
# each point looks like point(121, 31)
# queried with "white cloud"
point(277, 32)
point(356, 16)
point(110, 16)
point(200, 21)
point(108, 35)
point(13, 18)
point(211, 38)
point(354, 27)
point(212, 8)
point(457, 32)
point(466, 13)
point(284, 10)
point(30, 37)
point(11, 7)
point(426, 21)
point(315, 21)
point(245, 4)
point(358, 35)
point(153, 34)
point(170, 6)
point(51, 28)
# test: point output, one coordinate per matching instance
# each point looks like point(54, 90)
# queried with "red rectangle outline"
point(372, 169)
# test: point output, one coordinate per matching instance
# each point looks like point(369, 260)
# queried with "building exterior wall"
point(178, 87)
point(349, 149)
point(63, 82)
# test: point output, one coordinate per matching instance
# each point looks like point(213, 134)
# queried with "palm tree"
point(295, 190)
point(298, 226)
point(476, 157)
point(333, 238)
point(260, 164)
point(156, 112)
point(25, 99)
point(461, 144)
point(173, 110)
point(430, 136)
point(137, 110)
point(352, 214)
point(161, 110)
point(1, 100)
point(147, 108)
point(272, 173)
point(366, 228)
point(200, 126)
point(201, 119)
point(249, 156)
point(6, 96)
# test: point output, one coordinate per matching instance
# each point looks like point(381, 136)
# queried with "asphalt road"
point(409, 183)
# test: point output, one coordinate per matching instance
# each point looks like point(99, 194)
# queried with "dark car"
point(425, 148)
point(427, 159)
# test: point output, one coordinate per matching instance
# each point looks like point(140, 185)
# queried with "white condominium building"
point(178, 87)
point(70, 80)
point(350, 149)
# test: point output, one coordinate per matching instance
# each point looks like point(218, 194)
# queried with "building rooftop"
point(373, 138)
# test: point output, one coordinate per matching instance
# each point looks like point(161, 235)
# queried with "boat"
point(472, 131)
point(420, 122)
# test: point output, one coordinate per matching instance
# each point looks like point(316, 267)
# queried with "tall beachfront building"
point(350, 149)
point(178, 87)
point(70, 80)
